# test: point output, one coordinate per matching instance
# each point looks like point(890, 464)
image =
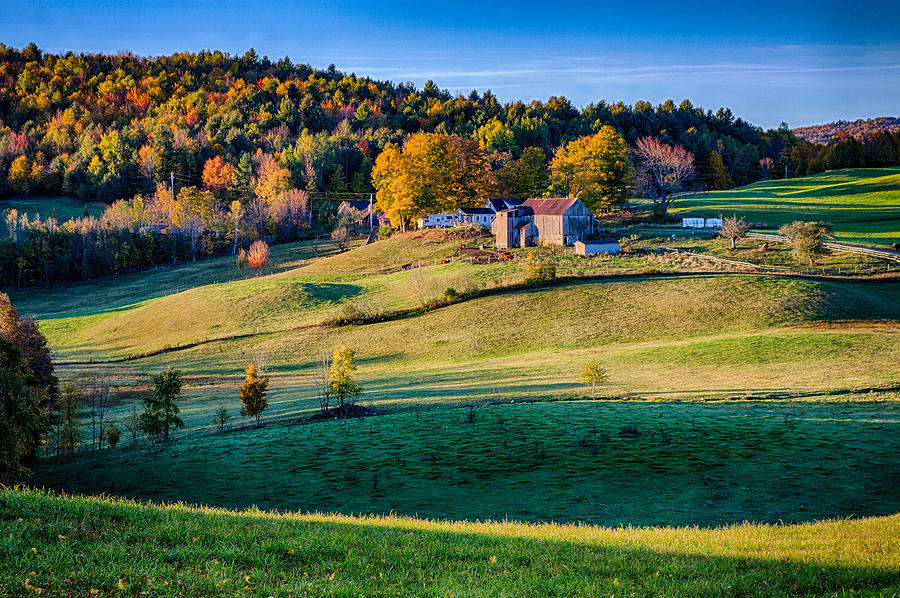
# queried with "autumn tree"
point(527, 176)
point(253, 393)
point(594, 373)
point(218, 175)
point(18, 177)
point(161, 408)
point(595, 169)
point(258, 255)
point(734, 228)
point(664, 169)
point(341, 385)
point(35, 352)
point(432, 173)
point(807, 240)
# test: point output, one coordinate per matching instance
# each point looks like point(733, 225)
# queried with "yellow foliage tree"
point(19, 172)
point(595, 169)
point(432, 173)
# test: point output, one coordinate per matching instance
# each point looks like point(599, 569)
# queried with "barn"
point(542, 221)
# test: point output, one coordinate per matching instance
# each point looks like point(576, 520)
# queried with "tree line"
point(108, 127)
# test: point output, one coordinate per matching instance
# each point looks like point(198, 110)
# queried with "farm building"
point(463, 216)
point(594, 247)
point(364, 207)
point(497, 204)
point(539, 221)
point(482, 216)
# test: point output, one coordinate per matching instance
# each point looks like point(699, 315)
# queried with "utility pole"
point(371, 212)
point(172, 175)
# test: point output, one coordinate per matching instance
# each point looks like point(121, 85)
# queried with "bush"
point(451, 295)
point(657, 214)
point(806, 239)
point(539, 274)
point(384, 231)
point(258, 256)
point(113, 435)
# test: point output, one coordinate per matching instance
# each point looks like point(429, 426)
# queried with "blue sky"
point(799, 62)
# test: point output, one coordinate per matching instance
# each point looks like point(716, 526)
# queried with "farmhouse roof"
point(499, 204)
point(360, 205)
point(555, 206)
point(476, 211)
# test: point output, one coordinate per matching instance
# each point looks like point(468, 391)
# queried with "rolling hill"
point(862, 205)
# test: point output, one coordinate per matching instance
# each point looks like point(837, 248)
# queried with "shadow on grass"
point(104, 542)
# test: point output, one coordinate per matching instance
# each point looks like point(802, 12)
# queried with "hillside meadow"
point(862, 205)
point(95, 546)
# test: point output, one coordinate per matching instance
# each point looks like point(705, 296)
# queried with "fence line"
point(886, 254)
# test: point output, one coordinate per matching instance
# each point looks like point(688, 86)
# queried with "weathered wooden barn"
point(540, 221)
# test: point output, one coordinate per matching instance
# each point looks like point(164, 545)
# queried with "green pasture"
point(862, 205)
point(93, 546)
point(604, 462)
point(43, 206)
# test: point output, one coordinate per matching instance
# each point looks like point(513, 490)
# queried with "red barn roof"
point(555, 206)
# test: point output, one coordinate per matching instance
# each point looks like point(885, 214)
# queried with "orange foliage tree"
point(258, 256)
point(218, 174)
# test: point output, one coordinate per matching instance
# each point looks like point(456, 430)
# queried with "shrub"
point(113, 435)
point(539, 274)
point(451, 295)
point(806, 240)
point(258, 256)
point(384, 231)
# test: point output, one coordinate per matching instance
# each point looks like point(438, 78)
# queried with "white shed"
point(592, 247)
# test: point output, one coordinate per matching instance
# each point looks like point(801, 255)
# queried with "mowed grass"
point(93, 546)
point(43, 206)
point(604, 462)
point(862, 205)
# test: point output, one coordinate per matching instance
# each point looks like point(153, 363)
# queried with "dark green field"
point(680, 464)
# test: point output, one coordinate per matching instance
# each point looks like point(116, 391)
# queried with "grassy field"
point(91, 546)
point(602, 462)
point(66, 207)
point(862, 205)
point(749, 393)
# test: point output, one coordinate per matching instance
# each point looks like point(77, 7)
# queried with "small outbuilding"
point(594, 247)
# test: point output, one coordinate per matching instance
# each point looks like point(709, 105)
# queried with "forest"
point(197, 152)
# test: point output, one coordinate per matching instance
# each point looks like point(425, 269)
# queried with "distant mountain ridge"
point(823, 134)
